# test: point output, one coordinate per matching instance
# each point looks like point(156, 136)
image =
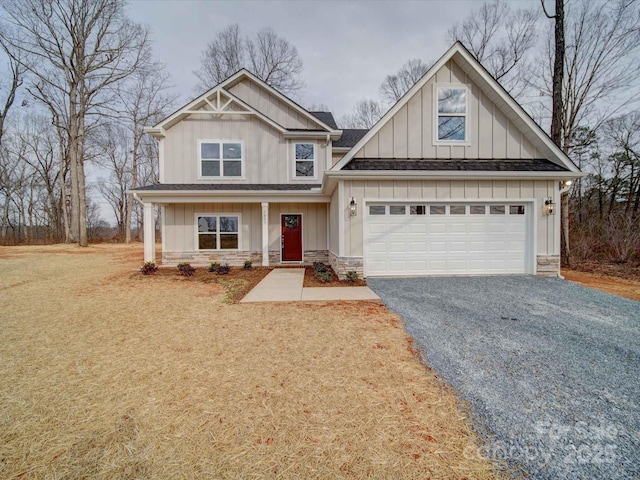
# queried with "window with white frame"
point(220, 158)
point(304, 155)
point(452, 114)
point(218, 232)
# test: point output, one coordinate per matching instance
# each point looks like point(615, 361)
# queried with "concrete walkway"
point(285, 285)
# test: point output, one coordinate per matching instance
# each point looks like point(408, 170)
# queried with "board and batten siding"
point(409, 134)
point(180, 224)
point(268, 158)
point(424, 191)
point(271, 106)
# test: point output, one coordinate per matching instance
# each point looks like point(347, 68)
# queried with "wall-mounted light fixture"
point(353, 207)
point(549, 206)
point(565, 184)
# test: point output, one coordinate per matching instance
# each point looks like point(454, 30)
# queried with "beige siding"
point(267, 156)
point(546, 226)
point(334, 241)
point(409, 134)
point(180, 224)
point(271, 106)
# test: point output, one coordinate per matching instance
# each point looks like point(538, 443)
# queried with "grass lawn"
point(108, 374)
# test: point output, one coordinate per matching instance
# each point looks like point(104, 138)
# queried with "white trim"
point(294, 160)
point(531, 223)
point(218, 232)
point(163, 228)
point(515, 108)
point(449, 175)
point(301, 238)
point(436, 115)
point(246, 73)
point(221, 142)
point(149, 229)
point(265, 234)
point(341, 225)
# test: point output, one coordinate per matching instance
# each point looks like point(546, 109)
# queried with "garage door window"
point(497, 210)
point(457, 210)
point(377, 210)
point(418, 210)
point(397, 210)
point(478, 209)
point(516, 209)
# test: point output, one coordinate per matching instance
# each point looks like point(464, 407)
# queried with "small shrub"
point(247, 265)
point(149, 268)
point(223, 269)
point(320, 267)
point(214, 267)
point(324, 276)
point(352, 276)
point(185, 269)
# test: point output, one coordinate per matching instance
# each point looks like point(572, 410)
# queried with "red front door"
point(291, 241)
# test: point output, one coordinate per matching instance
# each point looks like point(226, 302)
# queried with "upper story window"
point(221, 158)
point(304, 160)
point(452, 113)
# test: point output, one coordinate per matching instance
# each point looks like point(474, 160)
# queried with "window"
point(457, 209)
point(497, 210)
point(304, 160)
point(452, 114)
point(218, 232)
point(221, 158)
point(397, 209)
point(437, 210)
point(478, 209)
point(417, 210)
point(516, 209)
point(377, 210)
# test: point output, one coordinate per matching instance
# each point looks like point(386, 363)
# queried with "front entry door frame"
point(282, 239)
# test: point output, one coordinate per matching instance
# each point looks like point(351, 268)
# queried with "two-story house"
point(455, 179)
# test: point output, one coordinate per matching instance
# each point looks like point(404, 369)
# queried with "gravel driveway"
point(551, 369)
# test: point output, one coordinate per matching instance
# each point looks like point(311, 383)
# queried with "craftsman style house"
point(455, 179)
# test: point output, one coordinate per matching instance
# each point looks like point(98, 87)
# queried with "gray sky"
point(347, 47)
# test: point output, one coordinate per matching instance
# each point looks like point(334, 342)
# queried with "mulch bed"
point(310, 280)
point(237, 283)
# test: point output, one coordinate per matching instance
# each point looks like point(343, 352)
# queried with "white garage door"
point(445, 239)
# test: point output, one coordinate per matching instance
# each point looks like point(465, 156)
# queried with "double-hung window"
point(304, 163)
point(218, 232)
point(452, 122)
point(219, 159)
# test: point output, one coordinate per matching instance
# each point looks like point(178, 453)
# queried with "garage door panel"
point(445, 244)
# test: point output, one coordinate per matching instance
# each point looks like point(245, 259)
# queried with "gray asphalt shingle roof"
point(350, 136)
point(498, 165)
point(326, 118)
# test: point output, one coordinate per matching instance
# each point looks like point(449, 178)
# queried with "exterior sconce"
point(353, 207)
point(549, 207)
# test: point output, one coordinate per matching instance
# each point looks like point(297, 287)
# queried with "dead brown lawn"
point(103, 375)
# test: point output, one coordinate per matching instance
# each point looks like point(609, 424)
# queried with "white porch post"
point(149, 233)
point(265, 234)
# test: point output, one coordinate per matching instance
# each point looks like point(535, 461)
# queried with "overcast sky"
point(347, 47)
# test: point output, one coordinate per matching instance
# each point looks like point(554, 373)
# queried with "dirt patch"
point(310, 280)
point(105, 374)
point(624, 287)
point(237, 283)
point(629, 270)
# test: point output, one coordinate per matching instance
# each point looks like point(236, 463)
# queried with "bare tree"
point(77, 52)
point(15, 79)
point(500, 38)
point(364, 115)
point(268, 56)
point(395, 86)
point(144, 101)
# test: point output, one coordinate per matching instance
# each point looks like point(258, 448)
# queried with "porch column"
point(265, 234)
point(149, 233)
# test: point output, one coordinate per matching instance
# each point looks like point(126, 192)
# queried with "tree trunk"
point(134, 183)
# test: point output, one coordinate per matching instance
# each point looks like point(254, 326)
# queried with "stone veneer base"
point(237, 258)
point(342, 265)
point(548, 265)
